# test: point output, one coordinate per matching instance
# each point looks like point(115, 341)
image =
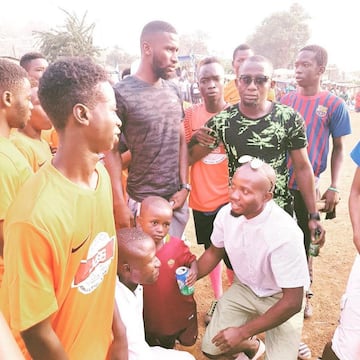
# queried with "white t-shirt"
point(267, 252)
point(130, 305)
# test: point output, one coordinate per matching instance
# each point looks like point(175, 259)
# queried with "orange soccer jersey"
point(36, 151)
point(14, 171)
point(65, 266)
point(231, 93)
point(209, 176)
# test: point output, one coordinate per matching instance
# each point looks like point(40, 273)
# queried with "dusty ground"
point(331, 268)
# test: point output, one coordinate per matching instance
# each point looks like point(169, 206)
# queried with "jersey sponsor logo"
point(171, 263)
point(91, 271)
point(216, 156)
point(321, 111)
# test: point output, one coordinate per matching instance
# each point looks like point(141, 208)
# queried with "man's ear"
point(147, 48)
point(321, 69)
point(125, 268)
point(81, 114)
point(268, 196)
point(7, 98)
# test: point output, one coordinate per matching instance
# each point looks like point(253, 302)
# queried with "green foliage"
point(281, 35)
point(194, 44)
point(75, 38)
point(118, 58)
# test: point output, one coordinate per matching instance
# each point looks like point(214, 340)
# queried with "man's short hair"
point(157, 26)
point(239, 48)
point(258, 59)
point(28, 57)
point(321, 55)
point(209, 60)
point(68, 82)
point(11, 75)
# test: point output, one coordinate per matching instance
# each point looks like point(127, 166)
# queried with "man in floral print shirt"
point(262, 129)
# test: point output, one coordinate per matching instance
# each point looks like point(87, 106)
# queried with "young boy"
point(60, 238)
point(138, 264)
point(168, 315)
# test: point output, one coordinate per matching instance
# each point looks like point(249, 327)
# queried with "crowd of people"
point(96, 181)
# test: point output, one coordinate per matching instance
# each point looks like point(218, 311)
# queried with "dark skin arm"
point(125, 159)
point(233, 340)
point(119, 347)
point(354, 209)
point(208, 260)
point(178, 198)
point(192, 277)
point(198, 146)
point(42, 342)
point(337, 156)
point(122, 214)
point(305, 178)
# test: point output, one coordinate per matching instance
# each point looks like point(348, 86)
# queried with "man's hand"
point(124, 218)
point(204, 138)
point(178, 199)
point(331, 198)
point(230, 340)
point(317, 232)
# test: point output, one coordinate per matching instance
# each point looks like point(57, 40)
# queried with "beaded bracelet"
point(333, 189)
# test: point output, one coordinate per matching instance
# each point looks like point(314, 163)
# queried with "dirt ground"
point(331, 267)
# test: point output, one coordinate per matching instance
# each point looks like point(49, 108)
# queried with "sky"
point(227, 22)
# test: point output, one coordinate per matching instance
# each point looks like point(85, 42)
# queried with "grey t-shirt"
point(151, 117)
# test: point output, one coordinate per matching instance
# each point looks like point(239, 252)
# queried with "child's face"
point(155, 221)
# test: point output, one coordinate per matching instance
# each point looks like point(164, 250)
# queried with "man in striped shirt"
point(325, 115)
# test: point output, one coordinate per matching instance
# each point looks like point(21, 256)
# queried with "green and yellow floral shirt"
point(269, 138)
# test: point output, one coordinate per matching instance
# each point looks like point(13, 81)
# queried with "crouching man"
point(265, 248)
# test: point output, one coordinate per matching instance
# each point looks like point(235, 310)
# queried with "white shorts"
point(346, 339)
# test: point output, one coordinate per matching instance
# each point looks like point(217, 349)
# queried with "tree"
point(118, 58)
point(281, 35)
point(73, 39)
point(194, 44)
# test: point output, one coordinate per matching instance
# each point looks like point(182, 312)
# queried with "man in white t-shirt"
point(265, 248)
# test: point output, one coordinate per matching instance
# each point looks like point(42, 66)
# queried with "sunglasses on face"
point(255, 163)
point(259, 80)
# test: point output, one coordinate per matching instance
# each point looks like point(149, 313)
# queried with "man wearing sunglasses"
point(263, 129)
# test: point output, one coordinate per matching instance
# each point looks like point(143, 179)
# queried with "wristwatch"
point(185, 186)
point(314, 216)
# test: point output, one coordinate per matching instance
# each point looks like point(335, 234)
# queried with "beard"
point(23, 116)
point(162, 72)
point(252, 103)
point(234, 214)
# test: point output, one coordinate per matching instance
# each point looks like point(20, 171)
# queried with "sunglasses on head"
point(259, 80)
point(255, 163)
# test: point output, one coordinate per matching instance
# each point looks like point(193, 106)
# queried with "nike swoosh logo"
point(78, 247)
point(41, 164)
